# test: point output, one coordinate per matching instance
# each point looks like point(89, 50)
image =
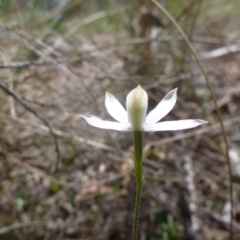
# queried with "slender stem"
point(164, 10)
point(137, 137)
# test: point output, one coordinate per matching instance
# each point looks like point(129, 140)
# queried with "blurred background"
point(63, 179)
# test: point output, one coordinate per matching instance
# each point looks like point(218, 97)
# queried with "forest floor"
point(48, 78)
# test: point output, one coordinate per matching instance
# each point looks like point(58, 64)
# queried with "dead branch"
point(18, 98)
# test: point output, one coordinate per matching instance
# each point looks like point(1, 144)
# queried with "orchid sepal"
point(135, 118)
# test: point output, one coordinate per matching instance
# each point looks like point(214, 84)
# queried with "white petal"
point(163, 108)
point(97, 122)
point(137, 102)
point(174, 125)
point(115, 108)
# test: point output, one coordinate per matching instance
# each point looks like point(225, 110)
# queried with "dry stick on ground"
point(18, 98)
point(161, 7)
point(195, 229)
point(9, 228)
point(29, 63)
point(199, 4)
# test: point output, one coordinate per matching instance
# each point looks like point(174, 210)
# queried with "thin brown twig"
point(14, 226)
point(19, 99)
point(184, 11)
point(29, 63)
point(162, 8)
point(199, 4)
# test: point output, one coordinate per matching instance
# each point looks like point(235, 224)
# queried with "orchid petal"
point(137, 102)
point(99, 123)
point(163, 108)
point(174, 125)
point(115, 108)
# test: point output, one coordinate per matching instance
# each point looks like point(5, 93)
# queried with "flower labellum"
point(135, 118)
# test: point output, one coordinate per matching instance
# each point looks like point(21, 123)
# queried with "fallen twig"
point(18, 98)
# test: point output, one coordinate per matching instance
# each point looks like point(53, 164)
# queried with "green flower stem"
point(138, 145)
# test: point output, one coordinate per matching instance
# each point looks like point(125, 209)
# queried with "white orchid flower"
point(135, 118)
